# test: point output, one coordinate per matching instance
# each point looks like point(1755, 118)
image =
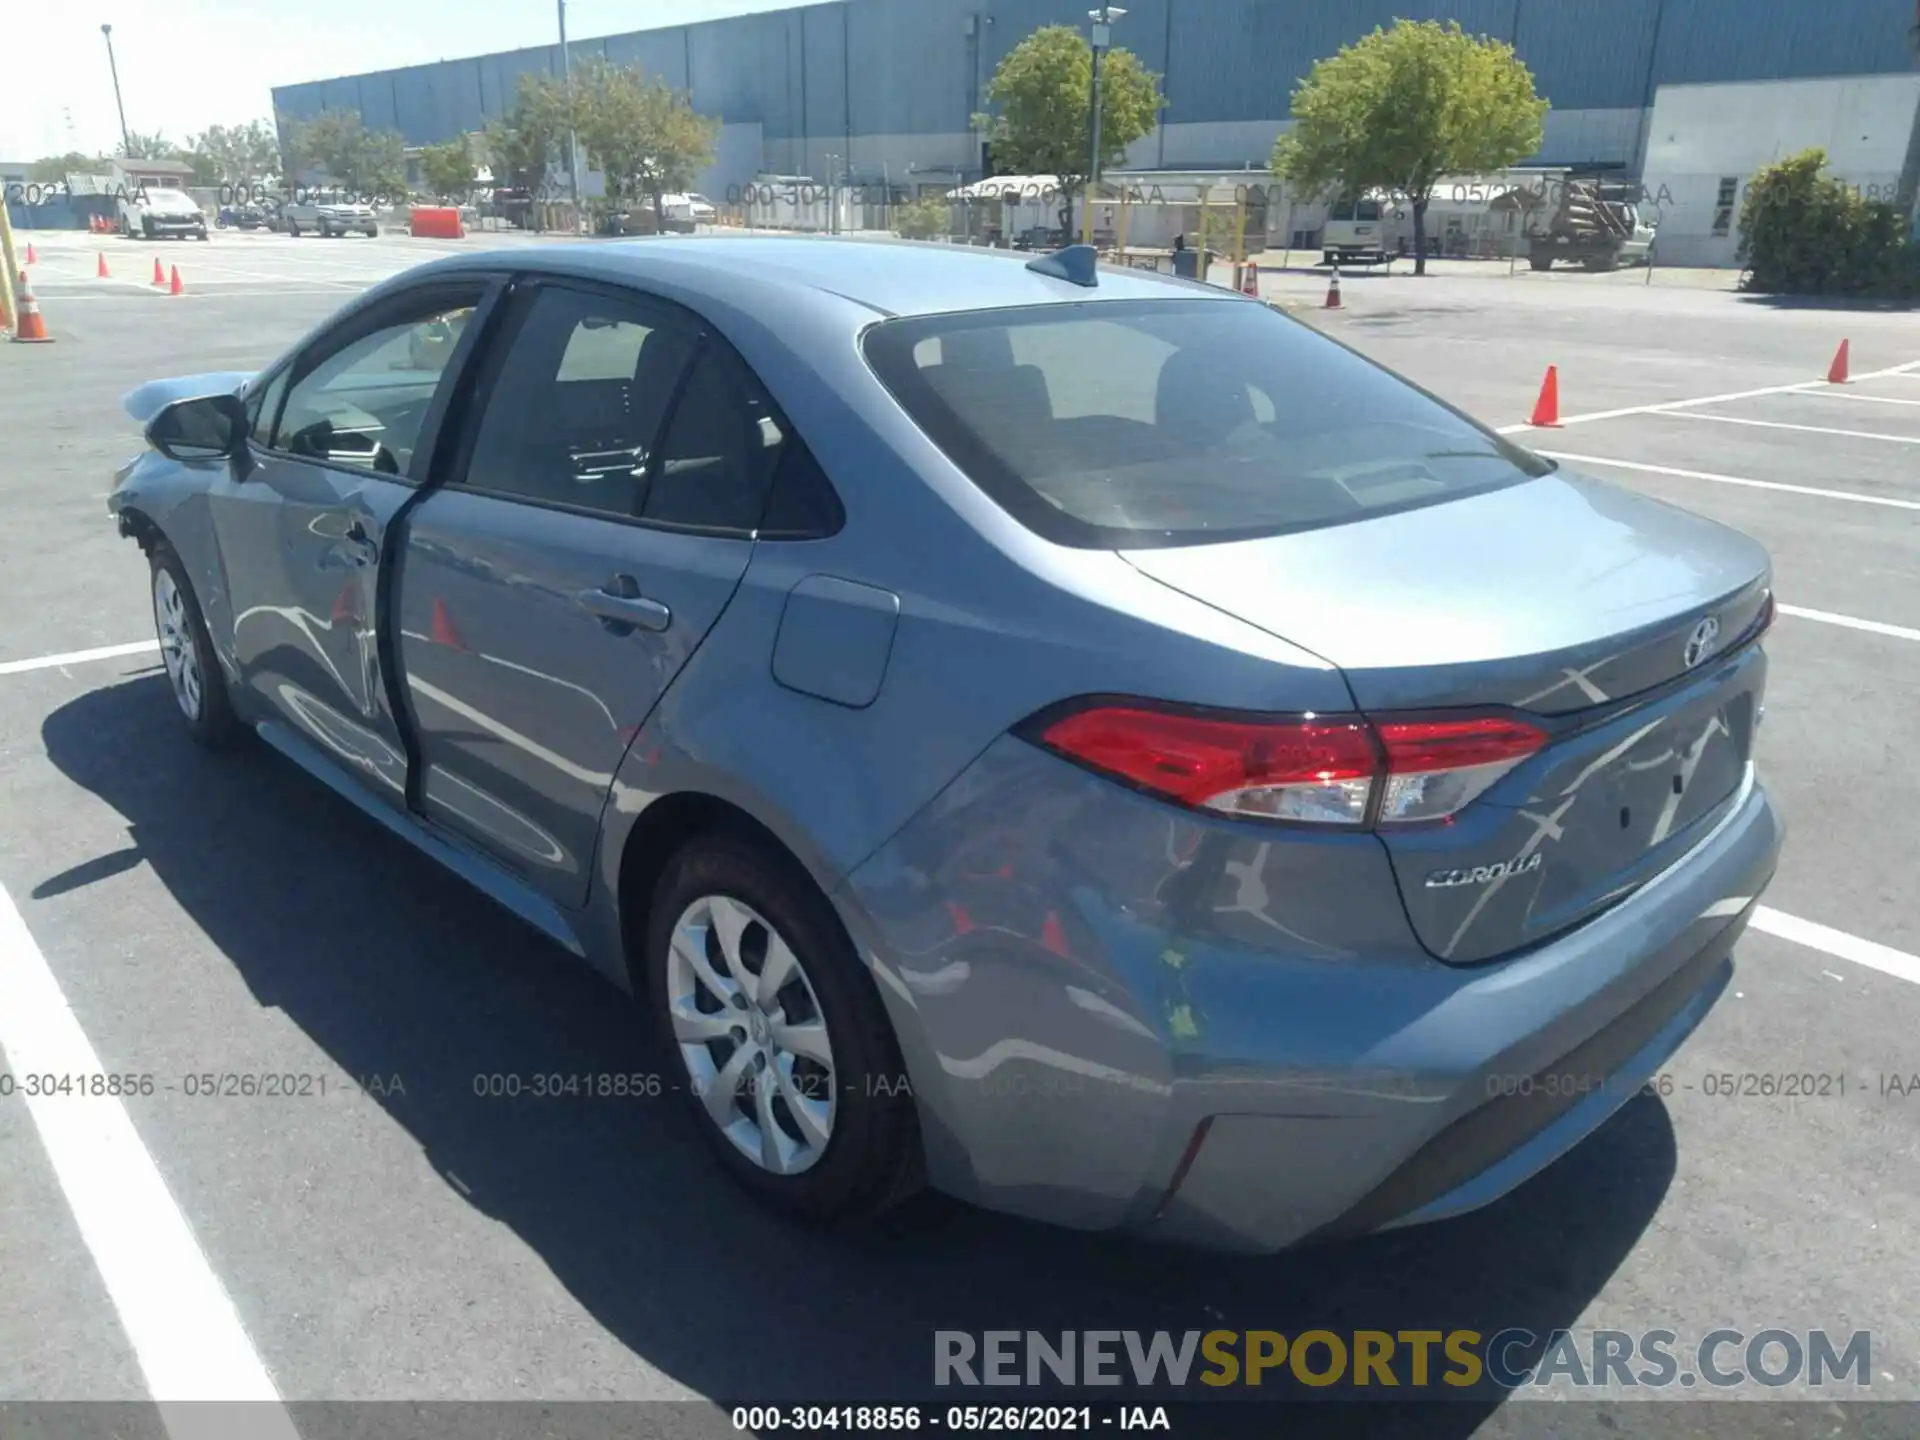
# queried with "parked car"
point(328, 213)
point(155, 214)
point(1079, 739)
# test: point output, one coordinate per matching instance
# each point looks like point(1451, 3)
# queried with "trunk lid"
point(1620, 624)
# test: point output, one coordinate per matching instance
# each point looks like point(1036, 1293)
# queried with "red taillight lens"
point(1310, 770)
point(1314, 770)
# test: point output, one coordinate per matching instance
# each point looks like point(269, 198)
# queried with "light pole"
point(833, 211)
point(126, 141)
point(1102, 19)
point(573, 136)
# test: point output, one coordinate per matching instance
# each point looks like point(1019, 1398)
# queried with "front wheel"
point(293, 229)
point(778, 1035)
point(1541, 262)
point(193, 674)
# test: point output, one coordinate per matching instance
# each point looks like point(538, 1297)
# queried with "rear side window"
point(723, 448)
point(576, 410)
point(1129, 424)
point(1369, 210)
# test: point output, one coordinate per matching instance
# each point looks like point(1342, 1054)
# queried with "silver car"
point(1075, 738)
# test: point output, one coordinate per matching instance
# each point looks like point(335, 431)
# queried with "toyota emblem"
point(1701, 642)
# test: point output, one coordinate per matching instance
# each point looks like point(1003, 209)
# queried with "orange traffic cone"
point(32, 259)
point(174, 287)
point(1333, 290)
point(101, 269)
point(443, 631)
point(1837, 372)
point(32, 328)
point(1546, 410)
point(159, 272)
point(1250, 280)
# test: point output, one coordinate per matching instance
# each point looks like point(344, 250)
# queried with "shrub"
point(1802, 232)
point(922, 219)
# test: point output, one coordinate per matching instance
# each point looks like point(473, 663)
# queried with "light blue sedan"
point(1078, 739)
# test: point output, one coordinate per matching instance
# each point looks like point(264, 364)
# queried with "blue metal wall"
point(911, 67)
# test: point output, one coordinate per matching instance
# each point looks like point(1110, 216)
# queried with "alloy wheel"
point(752, 1034)
point(177, 647)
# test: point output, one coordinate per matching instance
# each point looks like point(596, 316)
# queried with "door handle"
point(620, 604)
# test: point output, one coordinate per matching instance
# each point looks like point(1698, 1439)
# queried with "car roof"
point(889, 277)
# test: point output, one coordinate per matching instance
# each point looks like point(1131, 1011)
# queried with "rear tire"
point(194, 676)
point(845, 1142)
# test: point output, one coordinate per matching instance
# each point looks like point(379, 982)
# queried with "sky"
point(188, 64)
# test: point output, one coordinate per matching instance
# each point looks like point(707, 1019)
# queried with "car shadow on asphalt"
point(393, 966)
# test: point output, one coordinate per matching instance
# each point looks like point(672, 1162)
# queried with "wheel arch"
point(666, 825)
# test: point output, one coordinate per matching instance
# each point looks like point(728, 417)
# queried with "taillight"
point(1342, 770)
point(1436, 768)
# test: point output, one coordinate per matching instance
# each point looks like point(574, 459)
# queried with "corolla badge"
point(1481, 874)
point(1701, 642)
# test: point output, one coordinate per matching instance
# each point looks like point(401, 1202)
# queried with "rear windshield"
point(1134, 423)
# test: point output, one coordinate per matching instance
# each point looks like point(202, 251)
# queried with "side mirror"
point(209, 427)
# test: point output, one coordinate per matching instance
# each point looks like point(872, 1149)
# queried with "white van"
point(150, 213)
point(1356, 230)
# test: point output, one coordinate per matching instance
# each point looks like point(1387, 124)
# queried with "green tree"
point(148, 147)
point(1402, 108)
point(364, 161)
point(643, 136)
point(1042, 95)
point(518, 148)
point(53, 169)
point(233, 154)
point(448, 169)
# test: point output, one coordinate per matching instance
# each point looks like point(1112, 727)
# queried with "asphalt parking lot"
point(391, 1236)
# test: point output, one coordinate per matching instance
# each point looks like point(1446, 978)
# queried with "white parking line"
point(1872, 627)
point(1829, 941)
point(176, 1315)
point(1835, 393)
point(1804, 429)
point(1907, 370)
point(1813, 490)
point(77, 657)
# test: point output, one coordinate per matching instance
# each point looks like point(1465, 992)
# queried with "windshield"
point(170, 199)
point(1136, 423)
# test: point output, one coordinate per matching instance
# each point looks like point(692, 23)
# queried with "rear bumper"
point(1096, 1040)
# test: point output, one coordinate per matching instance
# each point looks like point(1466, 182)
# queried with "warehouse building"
point(876, 92)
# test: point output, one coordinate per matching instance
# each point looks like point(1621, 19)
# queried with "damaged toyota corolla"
point(1077, 739)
